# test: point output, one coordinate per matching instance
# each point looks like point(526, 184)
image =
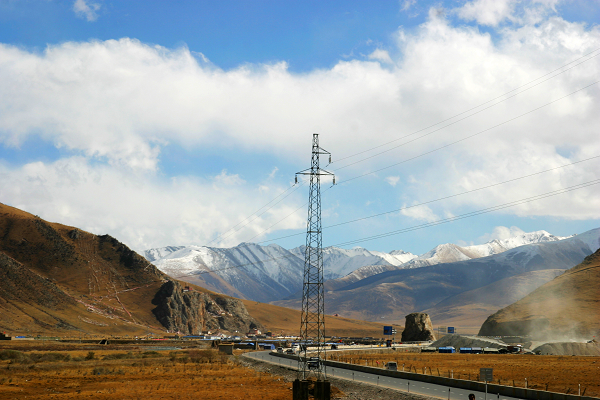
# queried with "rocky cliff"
point(192, 312)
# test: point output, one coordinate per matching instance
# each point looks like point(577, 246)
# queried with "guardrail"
point(492, 389)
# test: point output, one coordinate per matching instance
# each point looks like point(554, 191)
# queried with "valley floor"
point(133, 374)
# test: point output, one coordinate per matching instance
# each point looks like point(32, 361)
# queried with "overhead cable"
point(471, 109)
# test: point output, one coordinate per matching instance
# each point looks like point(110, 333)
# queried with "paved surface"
point(422, 388)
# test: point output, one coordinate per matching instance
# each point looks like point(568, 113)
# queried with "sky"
point(178, 123)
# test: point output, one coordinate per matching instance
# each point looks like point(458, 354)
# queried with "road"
point(423, 388)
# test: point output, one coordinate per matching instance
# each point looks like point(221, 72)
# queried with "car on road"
point(392, 366)
point(313, 363)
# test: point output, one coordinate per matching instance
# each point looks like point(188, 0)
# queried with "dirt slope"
point(566, 307)
point(470, 309)
point(57, 279)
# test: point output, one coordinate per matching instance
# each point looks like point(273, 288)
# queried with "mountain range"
point(271, 273)
point(456, 285)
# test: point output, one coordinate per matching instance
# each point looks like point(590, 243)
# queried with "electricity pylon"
point(312, 324)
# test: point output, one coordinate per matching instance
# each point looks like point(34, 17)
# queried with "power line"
point(434, 150)
point(417, 227)
point(438, 199)
point(233, 230)
point(385, 144)
point(470, 136)
point(472, 214)
point(473, 108)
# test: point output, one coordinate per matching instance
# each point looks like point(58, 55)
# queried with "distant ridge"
point(270, 273)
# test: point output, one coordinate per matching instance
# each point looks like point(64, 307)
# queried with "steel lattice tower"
point(312, 324)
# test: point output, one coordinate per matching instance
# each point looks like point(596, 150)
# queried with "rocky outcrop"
point(192, 312)
point(418, 328)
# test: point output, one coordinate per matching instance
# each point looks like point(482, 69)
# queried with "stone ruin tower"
point(418, 328)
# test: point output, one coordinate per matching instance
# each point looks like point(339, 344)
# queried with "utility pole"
point(312, 324)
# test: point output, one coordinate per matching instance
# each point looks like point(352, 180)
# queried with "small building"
point(429, 350)
point(465, 350)
point(490, 350)
point(447, 349)
point(3, 336)
point(226, 348)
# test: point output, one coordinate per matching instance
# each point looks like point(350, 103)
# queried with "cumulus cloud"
point(86, 9)
point(381, 55)
point(487, 12)
point(113, 106)
point(495, 12)
point(392, 180)
point(501, 233)
point(144, 210)
point(420, 213)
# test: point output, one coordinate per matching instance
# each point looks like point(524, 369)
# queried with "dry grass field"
point(286, 320)
point(134, 374)
point(560, 374)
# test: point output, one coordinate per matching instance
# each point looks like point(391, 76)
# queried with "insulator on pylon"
point(334, 180)
point(330, 159)
point(296, 179)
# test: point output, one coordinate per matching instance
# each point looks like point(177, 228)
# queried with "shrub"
point(49, 357)
point(13, 355)
point(90, 356)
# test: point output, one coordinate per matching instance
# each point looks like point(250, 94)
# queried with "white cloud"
point(381, 55)
point(495, 12)
point(86, 9)
point(392, 180)
point(487, 12)
point(406, 4)
point(118, 103)
point(273, 172)
point(501, 233)
point(420, 213)
point(142, 209)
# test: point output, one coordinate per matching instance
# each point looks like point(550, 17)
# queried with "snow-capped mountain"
point(268, 273)
point(248, 270)
point(446, 253)
point(340, 262)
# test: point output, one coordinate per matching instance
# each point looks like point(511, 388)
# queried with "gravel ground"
point(351, 390)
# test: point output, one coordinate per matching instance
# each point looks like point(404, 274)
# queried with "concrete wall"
point(493, 389)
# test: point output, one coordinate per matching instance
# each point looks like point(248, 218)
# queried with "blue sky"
point(167, 123)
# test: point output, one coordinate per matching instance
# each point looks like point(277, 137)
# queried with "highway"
point(422, 388)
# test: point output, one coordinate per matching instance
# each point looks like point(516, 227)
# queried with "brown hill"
point(469, 310)
point(59, 279)
point(566, 307)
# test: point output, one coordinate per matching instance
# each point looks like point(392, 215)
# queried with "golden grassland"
point(560, 374)
point(133, 374)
